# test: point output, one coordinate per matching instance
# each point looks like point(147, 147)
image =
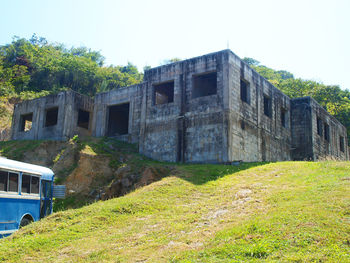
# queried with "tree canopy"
point(37, 66)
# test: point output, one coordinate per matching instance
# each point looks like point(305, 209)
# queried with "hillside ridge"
point(91, 168)
point(256, 212)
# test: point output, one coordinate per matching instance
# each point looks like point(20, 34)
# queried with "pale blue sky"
point(308, 38)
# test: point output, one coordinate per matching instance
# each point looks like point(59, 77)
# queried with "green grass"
point(16, 149)
point(276, 212)
point(116, 153)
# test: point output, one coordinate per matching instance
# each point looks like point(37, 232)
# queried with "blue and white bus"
point(25, 194)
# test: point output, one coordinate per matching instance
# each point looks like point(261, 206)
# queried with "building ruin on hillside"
point(213, 108)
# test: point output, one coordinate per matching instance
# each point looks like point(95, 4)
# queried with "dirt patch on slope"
point(45, 154)
point(152, 174)
point(91, 169)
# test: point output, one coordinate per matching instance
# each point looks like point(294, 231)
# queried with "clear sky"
point(309, 38)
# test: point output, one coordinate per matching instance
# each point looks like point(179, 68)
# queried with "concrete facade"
point(316, 134)
point(52, 117)
point(212, 109)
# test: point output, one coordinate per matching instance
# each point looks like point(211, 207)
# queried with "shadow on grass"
point(122, 153)
point(199, 174)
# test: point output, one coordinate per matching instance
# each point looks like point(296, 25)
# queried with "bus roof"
point(45, 173)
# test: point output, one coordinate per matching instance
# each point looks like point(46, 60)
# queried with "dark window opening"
point(326, 132)
point(284, 117)
point(83, 119)
point(34, 185)
point(46, 189)
point(118, 120)
point(204, 85)
point(163, 93)
point(26, 122)
point(245, 91)
point(267, 106)
point(51, 117)
point(25, 183)
point(3, 180)
point(13, 182)
point(319, 126)
point(341, 143)
point(30, 184)
point(242, 125)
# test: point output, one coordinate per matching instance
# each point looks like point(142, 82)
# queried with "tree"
point(251, 61)
point(35, 65)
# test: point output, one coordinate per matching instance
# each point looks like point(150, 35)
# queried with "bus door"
point(46, 198)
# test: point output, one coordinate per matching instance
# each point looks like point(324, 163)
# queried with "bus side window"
point(3, 180)
point(26, 183)
point(30, 184)
point(13, 182)
point(35, 185)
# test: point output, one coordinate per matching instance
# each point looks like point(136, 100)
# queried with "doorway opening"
point(118, 119)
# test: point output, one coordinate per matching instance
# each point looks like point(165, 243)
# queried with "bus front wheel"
point(25, 221)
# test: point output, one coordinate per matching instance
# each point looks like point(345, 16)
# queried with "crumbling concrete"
point(53, 117)
point(212, 109)
point(316, 134)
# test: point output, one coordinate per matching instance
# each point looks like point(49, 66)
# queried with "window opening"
point(26, 121)
point(30, 184)
point(319, 126)
point(35, 185)
point(51, 117)
point(326, 132)
point(83, 119)
point(204, 85)
point(283, 117)
point(118, 120)
point(267, 106)
point(341, 143)
point(245, 91)
point(26, 183)
point(163, 93)
point(242, 125)
point(3, 180)
point(13, 182)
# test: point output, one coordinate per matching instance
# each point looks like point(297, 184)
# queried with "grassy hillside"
point(91, 168)
point(277, 212)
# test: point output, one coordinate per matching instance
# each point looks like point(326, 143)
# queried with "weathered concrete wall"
point(189, 129)
point(67, 104)
point(310, 142)
point(212, 108)
point(159, 132)
point(38, 108)
point(74, 103)
point(253, 136)
point(301, 122)
point(323, 147)
point(132, 95)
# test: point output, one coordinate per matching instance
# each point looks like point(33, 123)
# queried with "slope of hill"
point(282, 212)
point(91, 168)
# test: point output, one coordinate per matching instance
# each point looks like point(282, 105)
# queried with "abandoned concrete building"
point(213, 108)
